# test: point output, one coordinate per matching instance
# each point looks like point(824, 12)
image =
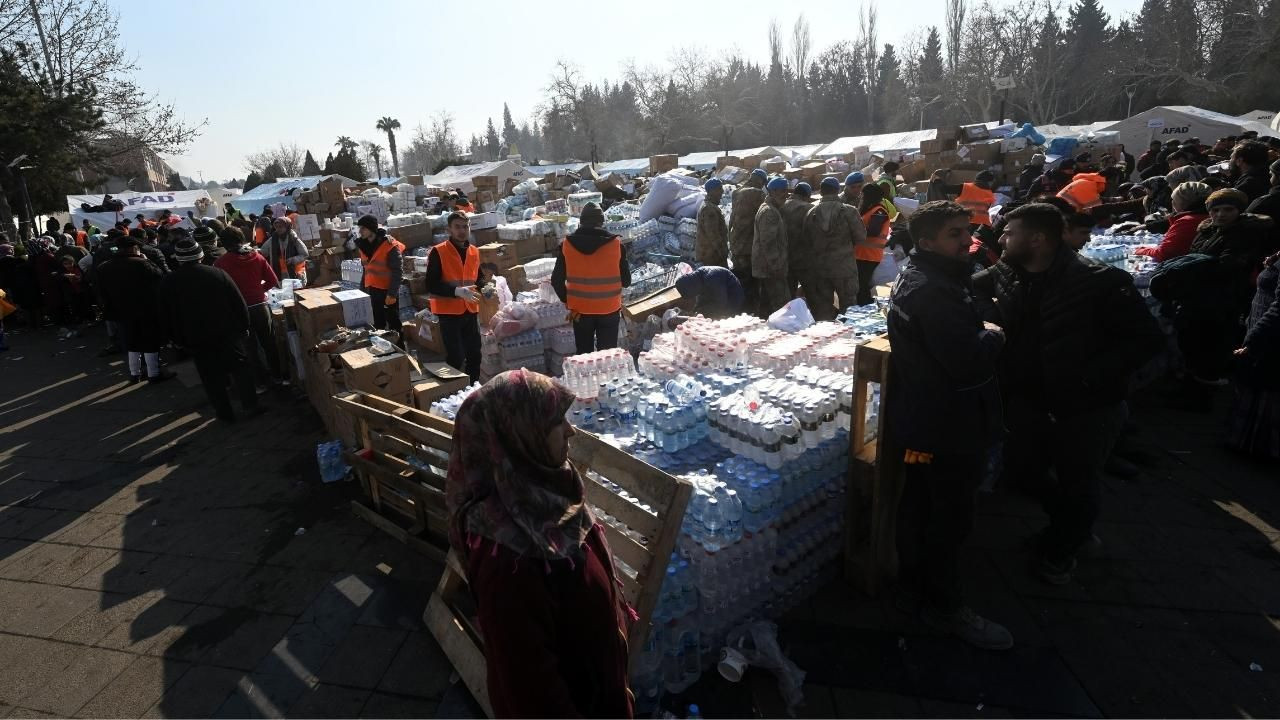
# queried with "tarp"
point(1180, 122)
point(459, 176)
point(282, 192)
point(885, 142)
point(573, 167)
point(148, 205)
point(632, 167)
point(799, 153)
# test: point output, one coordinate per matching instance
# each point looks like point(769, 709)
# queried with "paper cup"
point(733, 664)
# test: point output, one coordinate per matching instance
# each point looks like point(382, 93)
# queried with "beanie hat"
point(804, 189)
point(760, 174)
point(202, 235)
point(830, 183)
point(591, 216)
point(853, 179)
point(187, 250)
point(1227, 196)
point(1186, 173)
point(1037, 159)
point(712, 184)
point(985, 176)
point(777, 183)
point(233, 240)
point(1190, 195)
point(368, 222)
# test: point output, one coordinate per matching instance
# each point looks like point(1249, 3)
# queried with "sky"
point(309, 72)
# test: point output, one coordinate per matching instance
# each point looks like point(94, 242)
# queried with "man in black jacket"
point(203, 311)
point(1269, 205)
point(1077, 330)
point(1249, 167)
point(590, 272)
point(947, 408)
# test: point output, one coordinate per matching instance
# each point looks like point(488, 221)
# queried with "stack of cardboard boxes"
point(327, 199)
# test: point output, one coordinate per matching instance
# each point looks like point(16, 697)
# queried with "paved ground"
point(150, 565)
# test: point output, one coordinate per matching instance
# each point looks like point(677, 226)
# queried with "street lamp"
point(1130, 90)
point(924, 106)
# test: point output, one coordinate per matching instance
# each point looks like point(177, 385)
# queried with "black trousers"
point(750, 294)
point(935, 517)
point(216, 364)
point(260, 336)
point(596, 332)
point(461, 335)
point(385, 317)
point(1075, 446)
point(866, 268)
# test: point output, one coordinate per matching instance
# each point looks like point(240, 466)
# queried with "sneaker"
point(969, 627)
point(135, 379)
point(1052, 572)
point(161, 377)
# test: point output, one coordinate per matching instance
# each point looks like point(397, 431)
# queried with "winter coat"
point(129, 289)
point(715, 291)
point(1263, 337)
point(831, 230)
point(1269, 205)
point(1177, 241)
point(712, 244)
point(202, 308)
point(292, 248)
point(1028, 177)
point(1240, 249)
point(251, 273)
point(1093, 328)
point(943, 365)
point(587, 241)
point(794, 211)
point(1254, 183)
point(746, 201)
point(769, 246)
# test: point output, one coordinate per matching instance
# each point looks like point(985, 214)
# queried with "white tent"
point(459, 176)
point(148, 205)
point(1275, 122)
point(551, 168)
point(905, 141)
point(282, 191)
point(1180, 122)
point(1263, 116)
point(632, 167)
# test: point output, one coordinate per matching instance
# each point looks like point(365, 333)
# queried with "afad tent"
point(148, 205)
point(1180, 122)
point(630, 168)
point(282, 191)
point(1263, 116)
point(459, 176)
point(574, 167)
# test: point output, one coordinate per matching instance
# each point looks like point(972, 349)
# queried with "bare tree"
point(801, 44)
point(954, 24)
point(775, 43)
point(869, 44)
point(288, 156)
point(567, 91)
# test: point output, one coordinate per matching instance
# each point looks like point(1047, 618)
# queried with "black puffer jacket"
point(1095, 330)
point(1240, 249)
point(945, 397)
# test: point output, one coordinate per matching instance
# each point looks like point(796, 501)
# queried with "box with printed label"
point(383, 375)
point(483, 220)
point(357, 309)
point(439, 381)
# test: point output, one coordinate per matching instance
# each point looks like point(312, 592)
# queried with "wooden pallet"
point(607, 472)
point(875, 478)
point(402, 498)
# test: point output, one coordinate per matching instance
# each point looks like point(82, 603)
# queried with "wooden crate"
point(875, 478)
point(403, 498)
point(607, 473)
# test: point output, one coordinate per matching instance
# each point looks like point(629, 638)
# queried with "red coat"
point(1177, 239)
point(251, 273)
point(554, 633)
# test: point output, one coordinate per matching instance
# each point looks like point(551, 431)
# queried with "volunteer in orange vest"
point(382, 256)
point(870, 252)
point(285, 252)
point(453, 274)
point(978, 198)
point(591, 270)
point(462, 204)
point(1084, 191)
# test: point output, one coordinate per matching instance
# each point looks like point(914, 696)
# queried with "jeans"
point(385, 317)
point(1075, 446)
point(260, 336)
point(935, 517)
point(461, 335)
point(596, 332)
point(228, 360)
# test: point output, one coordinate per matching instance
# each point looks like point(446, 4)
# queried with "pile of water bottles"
point(351, 274)
point(867, 321)
point(583, 374)
point(447, 407)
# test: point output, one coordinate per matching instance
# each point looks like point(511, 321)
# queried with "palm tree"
point(376, 151)
point(389, 125)
point(346, 143)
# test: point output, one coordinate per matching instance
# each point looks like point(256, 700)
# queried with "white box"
point(307, 227)
point(483, 221)
point(1013, 144)
point(357, 309)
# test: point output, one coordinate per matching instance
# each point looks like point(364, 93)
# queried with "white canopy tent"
point(632, 167)
point(1263, 116)
point(148, 205)
point(904, 141)
point(459, 176)
point(1180, 122)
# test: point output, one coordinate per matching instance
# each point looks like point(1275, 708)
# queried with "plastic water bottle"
point(713, 524)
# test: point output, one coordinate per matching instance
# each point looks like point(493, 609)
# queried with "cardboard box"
point(414, 236)
point(480, 238)
point(1008, 145)
point(316, 312)
point(357, 310)
point(938, 144)
point(440, 381)
point(503, 255)
point(428, 336)
point(774, 167)
point(483, 221)
point(382, 375)
point(489, 307)
point(959, 177)
point(414, 179)
point(725, 161)
point(661, 163)
point(531, 247)
point(485, 201)
point(751, 162)
point(485, 182)
point(417, 283)
point(331, 238)
point(516, 280)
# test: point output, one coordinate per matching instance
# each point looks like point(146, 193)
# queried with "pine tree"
point(174, 181)
point(328, 164)
point(891, 106)
point(510, 135)
point(346, 164)
point(309, 166)
point(272, 172)
point(492, 145)
point(251, 182)
point(932, 77)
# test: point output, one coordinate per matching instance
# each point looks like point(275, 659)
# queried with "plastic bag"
point(513, 319)
point(887, 270)
point(663, 191)
point(792, 317)
point(758, 643)
point(503, 290)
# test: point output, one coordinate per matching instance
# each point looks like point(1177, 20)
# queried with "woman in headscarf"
point(1188, 212)
point(548, 597)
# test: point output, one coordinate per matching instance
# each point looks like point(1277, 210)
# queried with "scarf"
point(502, 483)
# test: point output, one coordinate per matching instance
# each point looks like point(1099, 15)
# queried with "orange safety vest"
point(1084, 191)
point(82, 238)
point(377, 272)
point(978, 202)
point(453, 270)
point(592, 283)
point(464, 207)
point(874, 252)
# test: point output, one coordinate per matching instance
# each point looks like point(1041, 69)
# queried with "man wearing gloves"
point(453, 274)
point(769, 249)
point(832, 230)
point(591, 270)
point(746, 200)
point(383, 270)
point(285, 252)
point(712, 245)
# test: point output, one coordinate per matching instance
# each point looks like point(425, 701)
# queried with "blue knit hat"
point(804, 189)
point(760, 174)
point(830, 183)
point(711, 184)
point(853, 179)
point(778, 183)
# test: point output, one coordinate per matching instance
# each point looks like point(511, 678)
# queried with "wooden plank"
point(382, 415)
point(646, 482)
point(630, 552)
point(661, 547)
point(463, 652)
point(631, 515)
point(384, 524)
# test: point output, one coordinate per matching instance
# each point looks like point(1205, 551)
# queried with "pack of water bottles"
point(351, 273)
point(1105, 251)
point(867, 321)
point(447, 407)
point(521, 346)
point(584, 374)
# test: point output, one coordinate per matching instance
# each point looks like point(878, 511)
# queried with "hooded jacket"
point(1254, 183)
point(832, 229)
point(587, 240)
point(294, 251)
point(769, 246)
point(746, 201)
point(251, 273)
